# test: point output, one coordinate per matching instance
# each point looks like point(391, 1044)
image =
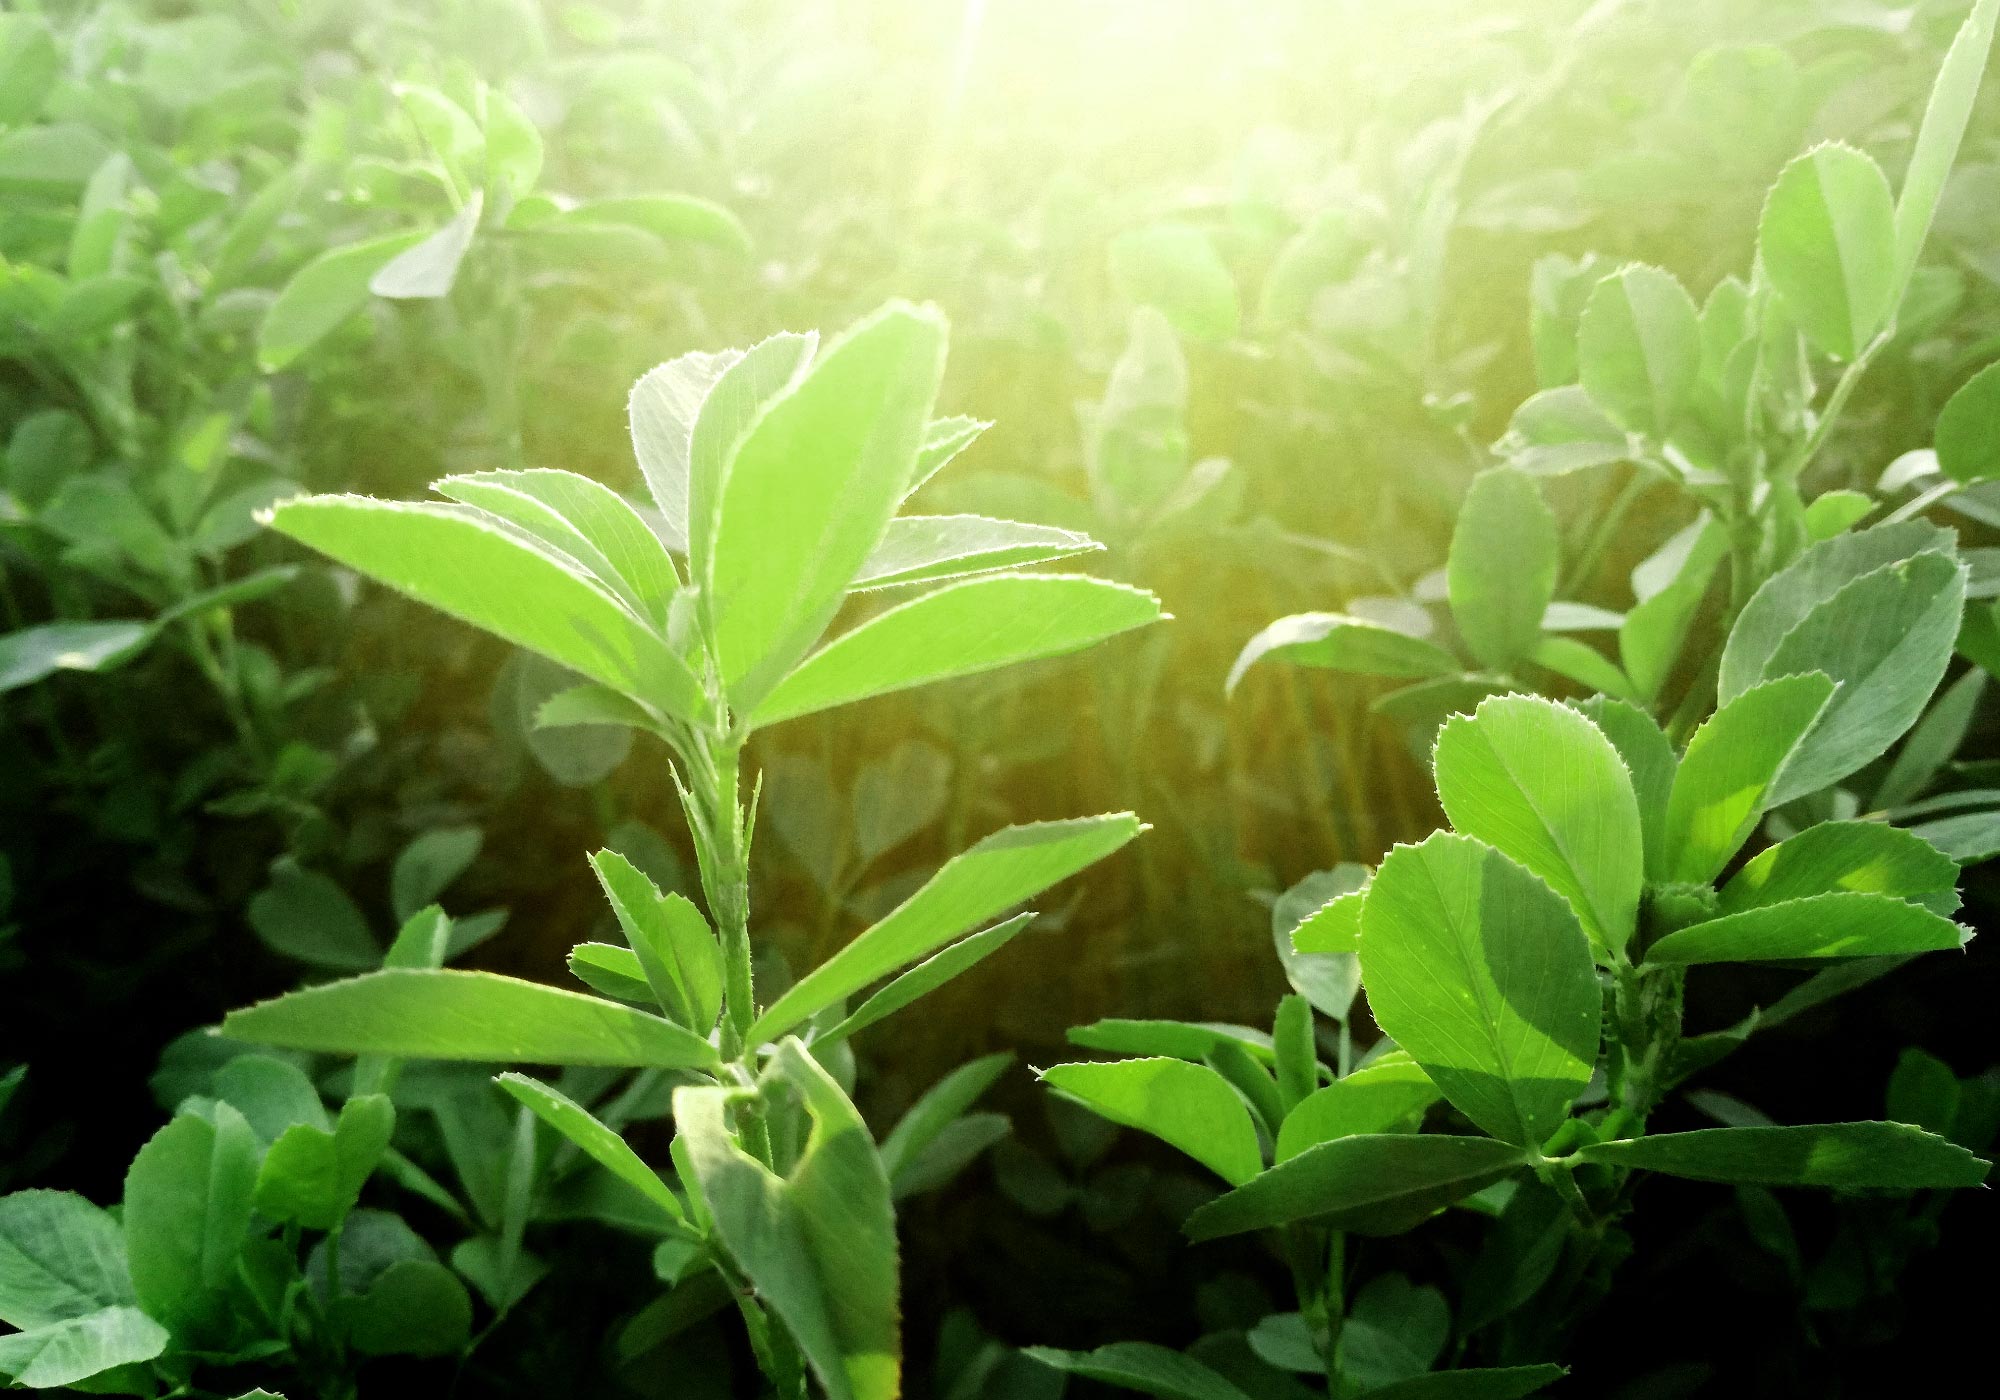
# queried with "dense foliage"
point(1564, 434)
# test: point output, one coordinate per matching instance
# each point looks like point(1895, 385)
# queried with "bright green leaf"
point(1843, 925)
point(1375, 1184)
point(1847, 1156)
point(1827, 240)
point(1732, 766)
point(1502, 568)
point(1639, 348)
point(1340, 643)
point(598, 1142)
point(1190, 1107)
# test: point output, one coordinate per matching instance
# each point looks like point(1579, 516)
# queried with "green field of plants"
point(998, 700)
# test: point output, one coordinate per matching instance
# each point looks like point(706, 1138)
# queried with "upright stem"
point(726, 874)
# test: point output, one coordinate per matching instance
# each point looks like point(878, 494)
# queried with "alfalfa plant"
point(1542, 947)
point(776, 474)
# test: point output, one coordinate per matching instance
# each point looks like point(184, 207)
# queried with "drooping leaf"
point(1827, 240)
point(1383, 1096)
point(598, 1142)
point(1482, 973)
point(1639, 348)
point(456, 561)
point(1002, 870)
point(1731, 769)
point(819, 1243)
point(1502, 568)
point(962, 629)
point(1341, 643)
point(1190, 1107)
point(1543, 785)
point(1848, 924)
point(809, 490)
point(1848, 1156)
point(443, 1014)
point(1374, 1184)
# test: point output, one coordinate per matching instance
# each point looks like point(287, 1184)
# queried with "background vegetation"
point(1249, 293)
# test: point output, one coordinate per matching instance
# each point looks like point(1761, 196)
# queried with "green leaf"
point(1326, 975)
point(455, 560)
point(926, 977)
point(442, 1014)
point(1931, 745)
point(1857, 856)
point(429, 864)
point(322, 294)
point(675, 946)
point(612, 971)
point(808, 492)
point(928, 548)
point(1543, 785)
point(1189, 1107)
point(819, 1243)
point(61, 1354)
point(1945, 119)
point(1639, 348)
point(747, 382)
point(1967, 437)
point(415, 1307)
point(1843, 925)
point(1654, 631)
point(1335, 927)
point(1501, 572)
point(589, 523)
point(1385, 1095)
point(664, 405)
point(962, 629)
point(1175, 267)
point(1482, 973)
point(1196, 1041)
point(1297, 1052)
point(306, 915)
point(313, 1177)
point(1003, 869)
point(593, 705)
point(60, 1257)
point(1785, 599)
point(1732, 766)
point(1341, 643)
point(187, 1218)
point(1846, 1156)
point(271, 1094)
point(1146, 1367)
point(30, 63)
point(944, 439)
point(1827, 241)
point(598, 1142)
point(1584, 664)
point(1886, 639)
point(1375, 1184)
point(942, 1105)
point(1924, 1092)
point(1650, 762)
point(33, 653)
point(427, 270)
point(1475, 1383)
point(670, 217)
point(1834, 512)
